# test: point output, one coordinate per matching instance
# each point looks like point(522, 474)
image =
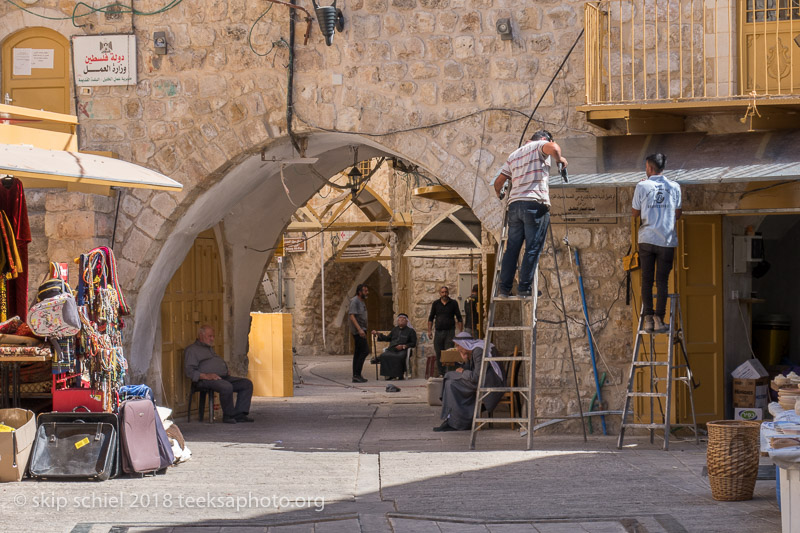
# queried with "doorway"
point(192, 298)
point(41, 81)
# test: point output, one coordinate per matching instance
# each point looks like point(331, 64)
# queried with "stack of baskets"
point(733, 453)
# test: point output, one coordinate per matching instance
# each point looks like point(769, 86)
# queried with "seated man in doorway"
point(393, 359)
point(460, 386)
point(210, 372)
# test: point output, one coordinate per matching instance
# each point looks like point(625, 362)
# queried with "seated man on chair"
point(393, 359)
point(210, 372)
point(460, 386)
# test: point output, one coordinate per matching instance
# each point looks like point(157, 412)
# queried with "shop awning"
point(694, 159)
point(76, 171)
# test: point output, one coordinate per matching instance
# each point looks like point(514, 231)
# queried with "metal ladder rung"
point(650, 363)
point(513, 298)
point(508, 358)
point(648, 426)
point(498, 419)
point(509, 328)
point(503, 389)
point(647, 394)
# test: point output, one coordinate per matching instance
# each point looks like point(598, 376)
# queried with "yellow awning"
point(76, 171)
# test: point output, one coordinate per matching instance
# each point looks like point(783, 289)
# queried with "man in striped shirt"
point(528, 168)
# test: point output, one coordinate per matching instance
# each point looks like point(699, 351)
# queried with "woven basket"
point(732, 456)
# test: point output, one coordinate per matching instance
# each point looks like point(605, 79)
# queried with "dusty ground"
point(336, 458)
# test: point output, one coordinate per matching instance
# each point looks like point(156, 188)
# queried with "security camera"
point(503, 27)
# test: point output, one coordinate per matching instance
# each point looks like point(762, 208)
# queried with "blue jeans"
point(527, 221)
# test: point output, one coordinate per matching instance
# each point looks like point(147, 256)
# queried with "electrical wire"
point(116, 8)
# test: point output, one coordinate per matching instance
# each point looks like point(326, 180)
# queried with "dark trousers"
point(656, 262)
point(442, 340)
point(225, 387)
point(527, 221)
point(360, 354)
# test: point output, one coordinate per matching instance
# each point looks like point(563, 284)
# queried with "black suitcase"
point(76, 446)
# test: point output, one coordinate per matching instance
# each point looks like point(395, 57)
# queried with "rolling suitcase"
point(138, 437)
point(76, 446)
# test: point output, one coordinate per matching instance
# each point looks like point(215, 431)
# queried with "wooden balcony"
point(651, 63)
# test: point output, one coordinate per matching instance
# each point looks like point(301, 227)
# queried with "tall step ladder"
point(679, 373)
point(526, 356)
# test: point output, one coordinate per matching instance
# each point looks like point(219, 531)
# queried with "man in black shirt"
point(446, 313)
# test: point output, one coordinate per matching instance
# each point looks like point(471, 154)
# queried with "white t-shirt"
point(657, 198)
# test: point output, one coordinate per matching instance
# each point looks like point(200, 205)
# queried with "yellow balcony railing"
point(674, 50)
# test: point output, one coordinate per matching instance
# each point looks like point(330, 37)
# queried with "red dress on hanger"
point(12, 201)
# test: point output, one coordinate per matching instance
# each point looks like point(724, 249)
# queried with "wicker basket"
point(733, 453)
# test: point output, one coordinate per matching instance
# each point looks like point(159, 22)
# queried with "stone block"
point(540, 43)
point(69, 225)
point(105, 109)
point(529, 18)
point(64, 201)
point(162, 130)
point(422, 22)
point(393, 23)
point(504, 68)
point(458, 92)
point(470, 22)
point(394, 70)
point(106, 133)
point(423, 70)
point(429, 93)
point(409, 48)
point(404, 4)
point(202, 36)
point(153, 109)
point(366, 26)
point(440, 46)
point(378, 51)
point(149, 222)
point(463, 46)
point(562, 17)
point(446, 22)
point(376, 6)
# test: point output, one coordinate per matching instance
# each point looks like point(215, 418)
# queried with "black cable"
point(290, 87)
point(530, 117)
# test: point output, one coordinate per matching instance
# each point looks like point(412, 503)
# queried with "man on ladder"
point(528, 169)
point(658, 201)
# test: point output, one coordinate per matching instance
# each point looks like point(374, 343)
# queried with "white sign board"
point(104, 59)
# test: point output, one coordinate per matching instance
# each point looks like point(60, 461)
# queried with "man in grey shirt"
point(357, 316)
point(210, 372)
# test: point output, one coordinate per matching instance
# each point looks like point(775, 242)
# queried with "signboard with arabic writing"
point(294, 244)
point(104, 59)
point(584, 203)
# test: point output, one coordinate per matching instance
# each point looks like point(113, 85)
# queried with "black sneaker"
point(359, 379)
point(228, 420)
point(501, 294)
point(243, 418)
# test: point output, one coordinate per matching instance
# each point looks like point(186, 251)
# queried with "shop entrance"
point(192, 298)
point(41, 82)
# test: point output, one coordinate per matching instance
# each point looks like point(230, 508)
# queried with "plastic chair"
point(377, 362)
point(204, 393)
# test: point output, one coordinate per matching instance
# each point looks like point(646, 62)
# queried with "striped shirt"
point(529, 169)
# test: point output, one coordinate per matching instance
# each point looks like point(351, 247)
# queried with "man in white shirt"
point(528, 168)
point(658, 201)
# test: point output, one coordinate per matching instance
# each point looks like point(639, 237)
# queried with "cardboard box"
point(748, 413)
point(13, 465)
point(750, 392)
point(750, 369)
point(451, 356)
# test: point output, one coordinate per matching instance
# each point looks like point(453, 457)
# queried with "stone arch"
point(252, 207)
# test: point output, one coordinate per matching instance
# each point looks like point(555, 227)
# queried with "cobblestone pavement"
point(339, 458)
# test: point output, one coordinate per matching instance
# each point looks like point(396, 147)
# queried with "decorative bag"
point(55, 317)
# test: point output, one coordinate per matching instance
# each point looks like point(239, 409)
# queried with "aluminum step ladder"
point(676, 373)
point(528, 356)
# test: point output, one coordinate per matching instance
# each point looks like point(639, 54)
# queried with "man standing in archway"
point(528, 168)
point(358, 327)
point(446, 314)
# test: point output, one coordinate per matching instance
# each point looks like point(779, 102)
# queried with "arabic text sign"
point(584, 202)
point(294, 244)
point(104, 59)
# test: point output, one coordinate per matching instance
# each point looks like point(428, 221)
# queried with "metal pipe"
point(591, 341)
point(322, 283)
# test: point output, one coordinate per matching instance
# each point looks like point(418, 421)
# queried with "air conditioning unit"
point(746, 249)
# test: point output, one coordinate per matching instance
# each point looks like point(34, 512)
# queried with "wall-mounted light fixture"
point(503, 27)
point(160, 42)
point(330, 18)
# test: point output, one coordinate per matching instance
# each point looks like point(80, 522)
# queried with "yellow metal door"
point(700, 286)
point(192, 298)
point(44, 86)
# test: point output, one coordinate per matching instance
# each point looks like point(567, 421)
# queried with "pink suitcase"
point(138, 438)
